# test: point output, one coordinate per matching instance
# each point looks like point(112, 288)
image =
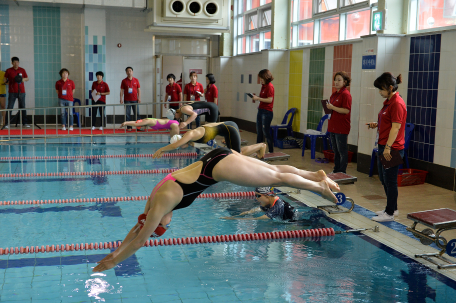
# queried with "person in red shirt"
point(102, 89)
point(211, 91)
point(174, 91)
point(391, 139)
point(16, 89)
point(339, 122)
point(65, 90)
point(193, 91)
point(265, 114)
point(131, 89)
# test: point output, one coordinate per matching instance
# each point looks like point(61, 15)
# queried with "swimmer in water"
point(180, 188)
point(156, 124)
point(203, 134)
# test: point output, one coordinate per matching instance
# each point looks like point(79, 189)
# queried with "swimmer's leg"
point(259, 149)
point(316, 176)
point(174, 129)
point(242, 171)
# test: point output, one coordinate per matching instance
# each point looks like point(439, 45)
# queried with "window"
point(252, 26)
point(323, 21)
point(426, 14)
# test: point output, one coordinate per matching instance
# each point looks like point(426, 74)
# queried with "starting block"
point(443, 219)
point(276, 157)
point(341, 178)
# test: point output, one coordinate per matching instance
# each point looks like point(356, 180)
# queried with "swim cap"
point(170, 113)
point(159, 231)
point(267, 191)
point(175, 138)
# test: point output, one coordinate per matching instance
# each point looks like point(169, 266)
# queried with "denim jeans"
point(128, 109)
point(95, 109)
point(340, 148)
point(11, 101)
point(388, 177)
point(63, 112)
point(263, 127)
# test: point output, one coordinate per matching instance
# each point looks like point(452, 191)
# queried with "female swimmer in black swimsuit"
point(228, 129)
point(180, 188)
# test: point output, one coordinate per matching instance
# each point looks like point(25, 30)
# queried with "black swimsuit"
point(229, 130)
point(209, 109)
point(205, 180)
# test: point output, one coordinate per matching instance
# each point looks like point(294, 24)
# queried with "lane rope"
point(165, 155)
point(320, 234)
point(244, 194)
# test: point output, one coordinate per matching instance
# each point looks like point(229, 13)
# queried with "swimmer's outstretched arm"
point(188, 136)
point(130, 237)
point(142, 123)
point(188, 110)
point(263, 217)
point(249, 212)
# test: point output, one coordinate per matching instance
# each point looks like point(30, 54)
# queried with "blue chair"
point(407, 136)
point(288, 127)
point(78, 122)
point(313, 138)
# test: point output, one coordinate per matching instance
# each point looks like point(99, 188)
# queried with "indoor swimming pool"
point(344, 268)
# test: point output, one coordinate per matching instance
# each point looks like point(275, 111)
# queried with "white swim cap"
point(170, 113)
point(175, 138)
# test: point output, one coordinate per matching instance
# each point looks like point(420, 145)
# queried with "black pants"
point(95, 109)
point(388, 177)
point(21, 99)
point(263, 127)
point(340, 148)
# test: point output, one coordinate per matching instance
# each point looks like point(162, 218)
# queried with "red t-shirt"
point(174, 91)
point(101, 87)
point(211, 93)
point(267, 90)
point(130, 88)
point(192, 89)
point(340, 123)
point(10, 74)
point(394, 111)
point(65, 89)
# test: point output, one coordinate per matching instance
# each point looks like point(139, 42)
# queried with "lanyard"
point(380, 117)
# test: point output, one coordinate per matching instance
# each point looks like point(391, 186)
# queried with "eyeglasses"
point(257, 195)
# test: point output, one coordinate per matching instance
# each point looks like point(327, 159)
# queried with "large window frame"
point(341, 11)
point(259, 18)
point(413, 24)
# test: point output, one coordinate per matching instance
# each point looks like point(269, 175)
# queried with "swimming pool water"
point(350, 268)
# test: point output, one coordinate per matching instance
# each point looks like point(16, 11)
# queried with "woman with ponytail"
point(390, 138)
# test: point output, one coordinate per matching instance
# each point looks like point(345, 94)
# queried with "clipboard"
point(396, 159)
point(325, 107)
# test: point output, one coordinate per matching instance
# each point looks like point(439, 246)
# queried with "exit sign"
point(379, 20)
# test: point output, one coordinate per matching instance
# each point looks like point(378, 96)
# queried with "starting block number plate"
point(451, 248)
point(340, 198)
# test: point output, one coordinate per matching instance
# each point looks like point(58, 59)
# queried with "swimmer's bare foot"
point(326, 192)
point(262, 151)
point(322, 176)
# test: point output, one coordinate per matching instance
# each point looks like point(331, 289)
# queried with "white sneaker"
point(71, 128)
point(396, 212)
point(93, 127)
point(26, 125)
point(101, 128)
point(63, 128)
point(6, 126)
point(383, 218)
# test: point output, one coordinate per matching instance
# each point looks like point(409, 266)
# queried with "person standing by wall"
point(339, 123)
point(131, 89)
point(174, 91)
point(391, 139)
point(211, 91)
point(65, 90)
point(3, 97)
point(265, 114)
point(102, 89)
point(193, 91)
point(16, 89)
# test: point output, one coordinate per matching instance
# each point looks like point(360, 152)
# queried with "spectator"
point(265, 114)
point(193, 92)
point(102, 89)
point(174, 91)
point(16, 77)
point(131, 89)
point(3, 97)
point(339, 123)
point(65, 90)
point(211, 91)
point(391, 137)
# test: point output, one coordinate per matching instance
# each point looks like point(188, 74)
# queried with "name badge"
point(64, 92)
point(192, 97)
point(130, 90)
